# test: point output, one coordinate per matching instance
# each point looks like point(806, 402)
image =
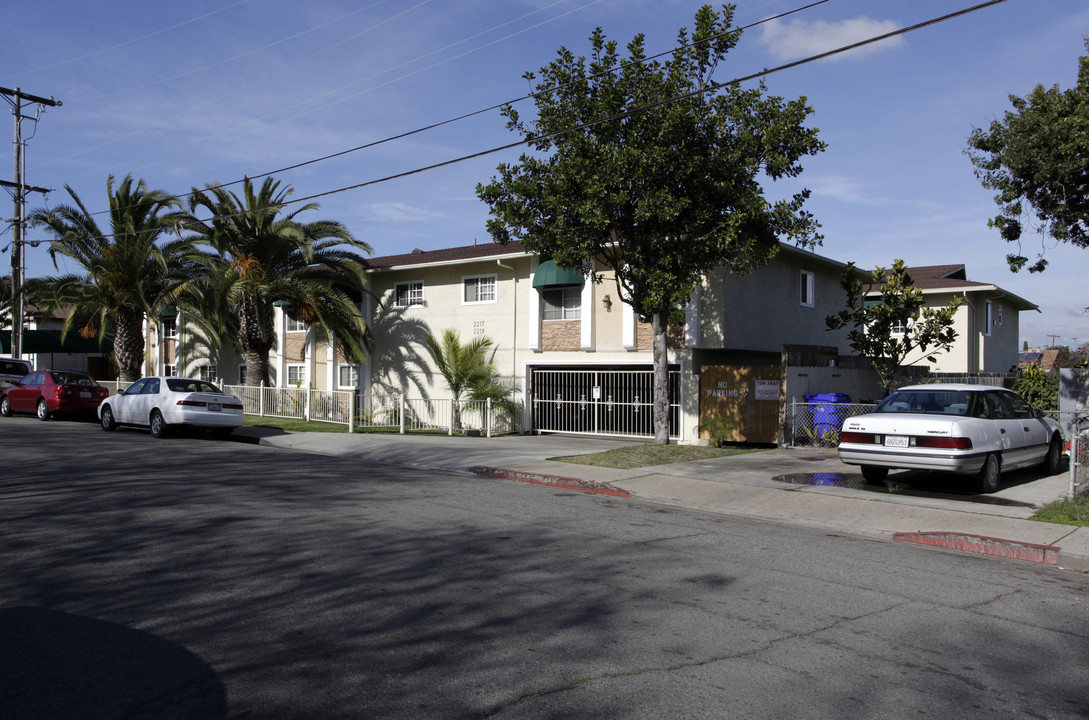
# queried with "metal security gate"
point(601, 402)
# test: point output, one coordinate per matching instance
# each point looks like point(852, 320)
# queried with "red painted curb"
point(1011, 549)
point(551, 480)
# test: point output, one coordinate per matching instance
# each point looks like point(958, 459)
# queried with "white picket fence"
point(391, 412)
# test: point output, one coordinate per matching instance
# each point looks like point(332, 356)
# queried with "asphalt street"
point(194, 578)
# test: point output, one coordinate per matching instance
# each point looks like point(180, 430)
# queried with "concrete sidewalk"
point(805, 486)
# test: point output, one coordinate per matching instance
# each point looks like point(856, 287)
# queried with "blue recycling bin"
point(825, 415)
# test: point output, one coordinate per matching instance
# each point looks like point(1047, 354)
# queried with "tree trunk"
point(128, 346)
point(256, 336)
point(661, 380)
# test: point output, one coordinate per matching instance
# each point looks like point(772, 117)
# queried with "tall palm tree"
point(128, 272)
point(469, 370)
point(263, 256)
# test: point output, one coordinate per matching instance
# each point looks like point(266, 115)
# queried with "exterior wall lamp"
point(608, 303)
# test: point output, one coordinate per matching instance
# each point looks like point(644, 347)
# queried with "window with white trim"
point(208, 373)
point(295, 325)
point(408, 294)
point(808, 283)
point(348, 376)
point(988, 317)
point(170, 370)
point(478, 289)
point(562, 303)
point(296, 375)
point(170, 327)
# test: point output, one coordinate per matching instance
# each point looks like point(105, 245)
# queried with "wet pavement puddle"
point(855, 481)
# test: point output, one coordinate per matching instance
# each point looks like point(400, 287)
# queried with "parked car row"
point(158, 403)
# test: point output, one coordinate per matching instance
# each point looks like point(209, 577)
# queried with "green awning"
point(550, 274)
point(168, 311)
point(49, 341)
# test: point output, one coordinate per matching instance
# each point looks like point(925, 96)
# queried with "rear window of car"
point(930, 402)
point(188, 385)
point(72, 378)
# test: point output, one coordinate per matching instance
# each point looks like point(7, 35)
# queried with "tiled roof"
point(445, 255)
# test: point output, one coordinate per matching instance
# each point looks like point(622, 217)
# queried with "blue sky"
point(183, 94)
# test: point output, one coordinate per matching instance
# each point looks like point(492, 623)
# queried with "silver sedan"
point(967, 429)
point(161, 403)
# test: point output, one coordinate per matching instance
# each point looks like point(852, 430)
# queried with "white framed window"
point(898, 327)
point(562, 303)
point(294, 325)
point(170, 370)
point(170, 327)
point(408, 294)
point(808, 282)
point(478, 289)
point(988, 317)
point(296, 375)
point(208, 373)
point(348, 376)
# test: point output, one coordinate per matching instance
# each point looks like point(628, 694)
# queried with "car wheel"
point(5, 406)
point(158, 425)
point(108, 423)
point(1052, 462)
point(43, 410)
point(874, 474)
point(990, 474)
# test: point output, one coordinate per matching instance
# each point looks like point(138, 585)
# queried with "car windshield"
point(931, 402)
point(188, 385)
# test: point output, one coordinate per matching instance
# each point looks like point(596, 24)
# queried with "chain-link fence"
point(1078, 444)
point(818, 424)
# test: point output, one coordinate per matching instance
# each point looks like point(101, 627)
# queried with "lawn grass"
point(649, 454)
point(1065, 512)
point(296, 425)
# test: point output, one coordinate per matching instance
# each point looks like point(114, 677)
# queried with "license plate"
point(896, 441)
point(85, 394)
point(214, 407)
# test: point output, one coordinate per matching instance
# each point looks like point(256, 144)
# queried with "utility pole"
point(19, 192)
point(1053, 339)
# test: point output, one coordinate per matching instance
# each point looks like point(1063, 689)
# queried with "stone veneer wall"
point(561, 335)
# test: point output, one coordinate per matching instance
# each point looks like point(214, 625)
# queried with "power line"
point(617, 116)
point(465, 116)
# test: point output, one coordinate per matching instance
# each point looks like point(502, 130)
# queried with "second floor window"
point(562, 303)
point(807, 288)
point(408, 294)
point(294, 325)
point(479, 289)
point(170, 327)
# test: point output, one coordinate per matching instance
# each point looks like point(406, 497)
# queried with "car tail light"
point(944, 443)
point(857, 437)
point(192, 403)
point(234, 406)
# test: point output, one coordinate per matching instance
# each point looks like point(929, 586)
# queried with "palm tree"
point(469, 370)
point(127, 272)
point(262, 257)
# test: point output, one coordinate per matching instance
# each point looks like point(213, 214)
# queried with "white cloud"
point(853, 192)
point(800, 39)
point(398, 212)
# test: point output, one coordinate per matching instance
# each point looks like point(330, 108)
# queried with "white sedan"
point(967, 429)
point(160, 403)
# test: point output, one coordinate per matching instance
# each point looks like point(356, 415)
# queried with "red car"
point(49, 392)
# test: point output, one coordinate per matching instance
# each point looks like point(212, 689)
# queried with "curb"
point(1009, 549)
point(551, 480)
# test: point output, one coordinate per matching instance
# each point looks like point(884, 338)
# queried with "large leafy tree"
point(890, 321)
point(1037, 159)
point(655, 171)
point(262, 255)
point(128, 269)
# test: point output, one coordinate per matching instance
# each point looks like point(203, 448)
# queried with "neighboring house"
point(43, 345)
point(987, 323)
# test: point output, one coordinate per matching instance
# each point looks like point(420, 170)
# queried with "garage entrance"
point(602, 401)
